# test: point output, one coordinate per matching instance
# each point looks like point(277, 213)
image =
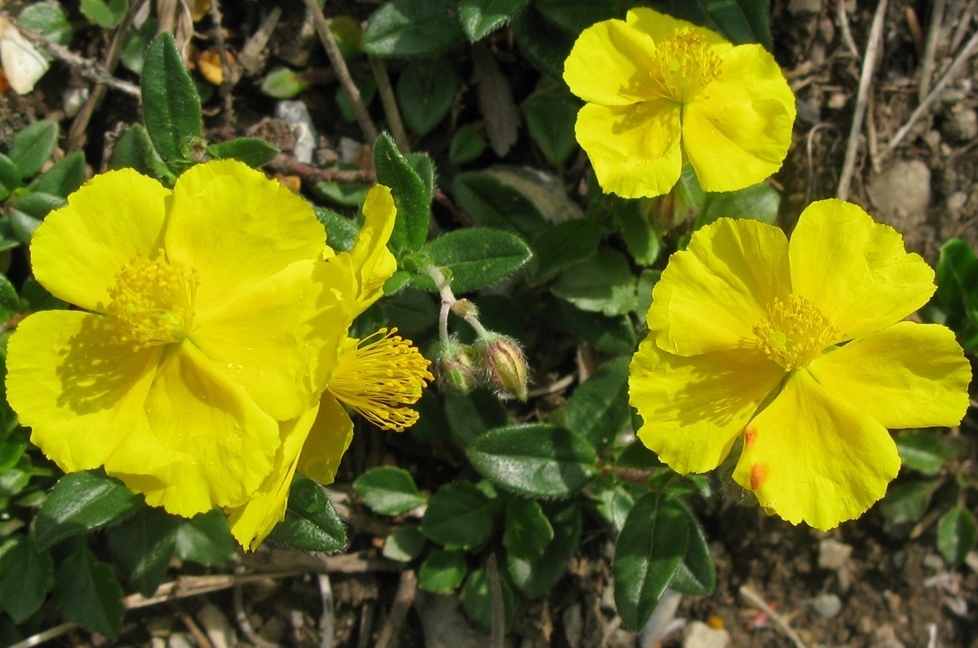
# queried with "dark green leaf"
point(143, 546)
point(921, 450)
point(956, 534)
point(412, 198)
point(89, 593)
point(106, 14)
point(48, 19)
point(9, 299)
point(171, 106)
point(341, 231)
point(134, 150)
point(550, 116)
point(612, 335)
point(475, 258)
point(133, 54)
point(37, 204)
point(603, 283)
point(469, 416)
point(489, 202)
point(66, 175)
point(528, 532)
point(26, 576)
point(614, 504)
point(467, 144)
point(537, 459)
point(412, 27)
point(366, 86)
point(957, 279)
point(205, 539)
point(575, 15)
point(650, 550)
point(544, 45)
point(10, 177)
point(425, 92)
point(598, 409)
point(252, 151)
point(311, 522)
point(907, 501)
point(459, 516)
point(442, 571)
point(560, 247)
point(389, 490)
point(482, 17)
point(696, 575)
point(740, 21)
point(32, 146)
point(535, 577)
point(404, 544)
point(758, 202)
point(641, 239)
point(80, 503)
point(477, 600)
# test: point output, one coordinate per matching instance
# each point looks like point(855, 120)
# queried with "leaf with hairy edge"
point(459, 516)
point(741, 21)
point(696, 575)
point(143, 546)
point(80, 503)
point(411, 196)
point(252, 151)
point(311, 522)
point(171, 105)
point(88, 592)
point(475, 258)
point(32, 146)
point(490, 202)
point(482, 17)
point(205, 539)
point(26, 576)
point(537, 576)
point(411, 28)
point(64, 176)
point(388, 490)
point(598, 409)
point(956, 534)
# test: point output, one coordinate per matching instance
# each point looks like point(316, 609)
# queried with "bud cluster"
point(494, 360)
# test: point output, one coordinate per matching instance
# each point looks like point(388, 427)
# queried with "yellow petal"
point(712, 294)
point(371, 260)
point(81, 394)
point(608, 64)
point(215, 445)
point(327, 442)
point(634, 149)
point(738, 131)
point(907, 375)
point(256, 336)
point(236, 227)
point(812, 458)
point(252, 522)
point(694, 408)
point(661, 26)
point(336, 306)
point(78, 249)
point(855, 270)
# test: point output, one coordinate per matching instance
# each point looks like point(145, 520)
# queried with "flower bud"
point(456, 368)
point(504, 364)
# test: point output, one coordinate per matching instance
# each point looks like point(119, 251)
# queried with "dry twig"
point(327, 622)
point(754, 599)
point(403, 601)
point(389, 102)
point(222, 55)
point(930, 48)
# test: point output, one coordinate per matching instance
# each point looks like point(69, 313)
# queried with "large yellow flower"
point(659, 90)
point(799, 350)
point(189, 359)
point(377, 376)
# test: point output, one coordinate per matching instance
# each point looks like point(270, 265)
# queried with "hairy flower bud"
point(504, 364)
point(456, 368)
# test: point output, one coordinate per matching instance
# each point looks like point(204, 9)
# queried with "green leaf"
point(459, 516)
point(171, 106)
point(37, 204)
point(759, 202)
point(137, 40)
point(389, 490)
point(252, 151)
point(535, 577)
point(575, 15)
point(425, 92)
point(205, 539)
point(614, 504)
point(26, 576)
point(411, 28)
point(10, 177)
point(143, 546)
point(404, 544)
point(536, 459)
point(48, 19)
point(482, 17)
point(469, 416)
point(641, 239)
point(475, 258)
point(550, 117)
point(921, 450)
point(9, 301)
point(32, 146)
point(79, 503)
point(528, 532)
point(612, 335)
point(907, 501)
point(467, 144)
point(740, 21)
point(957, 279)
point(412, 198)
point(957, 532)
point(89, 594)
point(560, 247)
point(106, 14)
point(134, 150)
point(66, 175)
point(603, 283)
point(23, 225)
point(490, 202)
point(696, 575)
point(544, 45)
point(598, 409)
point(442, 571)
point(650, 550)
point(283, 83)
point(477, 599)
point(311, 522)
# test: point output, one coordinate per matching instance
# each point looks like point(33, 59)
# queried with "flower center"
point(683, 65)
point(794, 332)
point(152, 301)
point(380, 375)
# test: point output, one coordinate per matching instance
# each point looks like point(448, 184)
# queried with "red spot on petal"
point(758, 475)
point(749, 435)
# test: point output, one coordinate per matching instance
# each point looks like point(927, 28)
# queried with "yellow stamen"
point(794, 332)
point(152, 301)
point(682, 67)
point(383, 373)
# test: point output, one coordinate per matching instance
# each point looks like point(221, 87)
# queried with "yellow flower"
point(660, 90)
point(188, 360)
point(799, 350)
point(376, 376)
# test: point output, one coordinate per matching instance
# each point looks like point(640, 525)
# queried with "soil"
point(893, 590)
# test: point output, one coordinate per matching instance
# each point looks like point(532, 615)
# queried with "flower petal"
point(811, 458)
point(370, 259)
point(907, 375)
point(661, 26)
point(236, 227)
point(81, 394)
point(738, 132)
point(609, 63)
point(256, 335)
point(327, 442)
point(855, 270)
point(712, 294)
point(78, 249)
point(634, 149)
point(215, 446)
point(251, 523)
point(694, 408)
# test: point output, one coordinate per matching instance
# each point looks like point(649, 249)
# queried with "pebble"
point(216, 626)
point(955, 202)
point(960, 126)
point(827, 605)
point(902, 190)
point(933, 561)
point(179, 640)
point(700, 635)
point(296, 115)
point(833, 554)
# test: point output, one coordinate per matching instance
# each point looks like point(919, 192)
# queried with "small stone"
point(934, 562)
point(700, 635)
point(833, 554)
point(296, 115)
point(885, 637)
point(796, 7)
point(179, 640)
point(837, 100)
point(901, 194)
point(960, 126)
point(216, 626)
point(827, 605)
point(955, 202)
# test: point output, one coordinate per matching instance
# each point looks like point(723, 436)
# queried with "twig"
point(343, 72)
point(366, 623)
point(241, 616)
point(924, 107)
point(840, 7)
point(862, 95)
point(389, 102)
point(285, 163)
point(199, 635)
point(930, 48)
point(779, 621)
point(553, 387)
point(222, 54)
point(498, 635)
point(250, 56)
point(403, 600)
point(963, 23)
point(327, 622)
point(41, 637)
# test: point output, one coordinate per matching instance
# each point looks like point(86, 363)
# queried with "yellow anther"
point(682, 67)
point(794, 332)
